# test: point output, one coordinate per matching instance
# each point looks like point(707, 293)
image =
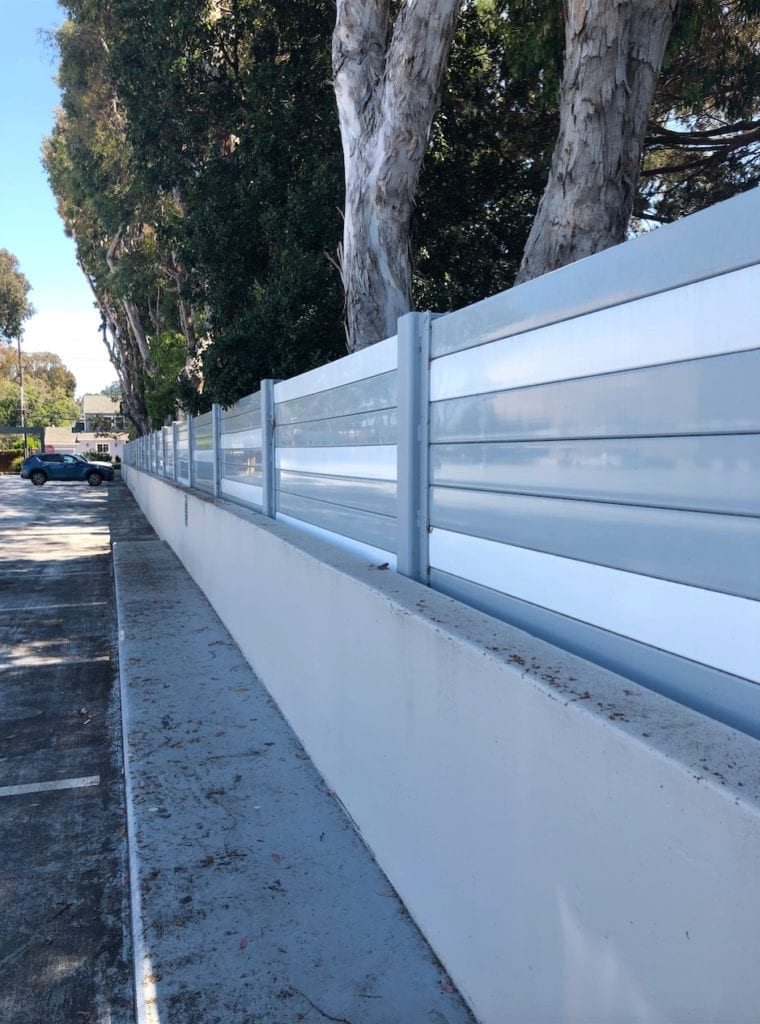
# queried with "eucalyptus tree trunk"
point(613, 54)
point(125, 359)
point(388, 89)
point(134, 317)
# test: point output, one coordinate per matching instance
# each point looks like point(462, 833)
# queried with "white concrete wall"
point(574, 847)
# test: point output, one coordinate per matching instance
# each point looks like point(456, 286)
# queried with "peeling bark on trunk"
point(388, 89)
point(192, 371)
point(125, 360)
point(613, 54)
point(134, 318)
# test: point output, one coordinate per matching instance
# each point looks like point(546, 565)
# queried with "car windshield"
point(80, 458)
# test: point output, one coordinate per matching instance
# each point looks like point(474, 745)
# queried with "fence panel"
point(183, 453)
point(203, 452)
point(335, 450)
point(579, 456)
point(596, 481)
point(241, 452)
point(167, 436)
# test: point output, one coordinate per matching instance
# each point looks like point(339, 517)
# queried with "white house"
point(64, 439)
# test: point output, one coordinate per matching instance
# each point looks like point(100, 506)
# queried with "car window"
point(50, 457)
point(70, 459)
point(80, 458)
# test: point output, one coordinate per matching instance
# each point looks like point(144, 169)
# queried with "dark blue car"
point(54, 466)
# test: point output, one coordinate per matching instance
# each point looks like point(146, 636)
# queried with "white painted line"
point(47, 787)
point(50, 607)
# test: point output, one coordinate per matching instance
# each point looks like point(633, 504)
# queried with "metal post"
point(269, 497)
point(190, 446)
point(175, 446)
point(216, 440)
point(413, 445)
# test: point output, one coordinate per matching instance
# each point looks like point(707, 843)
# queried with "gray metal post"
point(413, 445)
point(175, 445)
point(190, 447)
point(216, 431)
point(269, 497)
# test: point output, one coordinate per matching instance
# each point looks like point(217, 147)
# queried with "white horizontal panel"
point(374, 555)
point(368, 362)
point(370, 462)
point(242, 439)
point(705, 626)
point(704, 319)
point(203, 455)
point(249, 493)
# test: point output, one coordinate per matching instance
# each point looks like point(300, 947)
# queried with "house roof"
point(59, 435)
point(94, 404)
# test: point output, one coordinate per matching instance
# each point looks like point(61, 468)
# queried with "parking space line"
point(47, 787)
point(50, 607)
point(46, 568)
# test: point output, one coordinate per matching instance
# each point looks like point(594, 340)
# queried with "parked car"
point(46, 466)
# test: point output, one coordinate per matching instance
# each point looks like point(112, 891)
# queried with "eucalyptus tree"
point(388, 75)
point(613, 54)
point(238, 128)
point(90, 171)
point(697, 142)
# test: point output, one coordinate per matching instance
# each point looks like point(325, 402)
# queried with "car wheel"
point(94, 479)
point(38, 477)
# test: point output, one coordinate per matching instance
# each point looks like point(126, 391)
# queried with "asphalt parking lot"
point(64, 926)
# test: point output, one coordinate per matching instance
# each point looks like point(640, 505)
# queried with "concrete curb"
point(138, 939)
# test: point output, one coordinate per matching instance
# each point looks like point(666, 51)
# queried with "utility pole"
point(21, 393)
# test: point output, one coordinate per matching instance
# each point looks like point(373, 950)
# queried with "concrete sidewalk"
point(253, 897)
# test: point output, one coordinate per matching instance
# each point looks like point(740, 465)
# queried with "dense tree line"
point(48, 389)
point(198, 162)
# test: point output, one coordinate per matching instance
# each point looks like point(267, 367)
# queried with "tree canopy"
point(196, 160)
point(15, 306)
point(48, 389)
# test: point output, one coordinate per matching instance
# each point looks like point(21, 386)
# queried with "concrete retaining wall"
point(574, 846)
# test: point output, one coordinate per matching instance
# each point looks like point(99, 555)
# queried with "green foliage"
point(15, 443)
point(168, 352)
point(197, 163)
point(704, 140)
point(15, 307)
point(489, 153)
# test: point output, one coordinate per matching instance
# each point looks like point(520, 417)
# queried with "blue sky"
point(65, 322)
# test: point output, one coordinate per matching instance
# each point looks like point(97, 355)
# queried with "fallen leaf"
point(276, 858)
point(243, 943)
